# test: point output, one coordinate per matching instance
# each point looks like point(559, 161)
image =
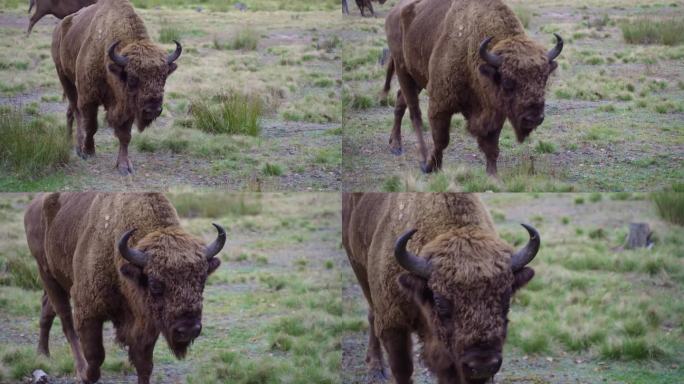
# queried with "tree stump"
point(639, 236)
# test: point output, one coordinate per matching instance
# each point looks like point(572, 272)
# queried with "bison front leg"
point(489, 144)
point(90, 335)
point(141, 357)
point(123, 163)
point(87, 126)
point(47, 316)
point(439, 124)
point(395, 136)
point(397, 343)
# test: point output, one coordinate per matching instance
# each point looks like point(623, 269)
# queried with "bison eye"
point(156, 288)
point(508, 85)
point(133, 82)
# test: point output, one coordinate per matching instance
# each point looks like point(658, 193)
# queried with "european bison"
point(104, 56)
point(122, 258)
point(364, 4)
point(453, 287)
point(474, 58)
point(59, 8)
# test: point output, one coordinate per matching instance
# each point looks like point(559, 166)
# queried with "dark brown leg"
point(90, 334)
point(123, 164)
point(370, 6)
point(489, 144)
point(439, 124)
point(376, 364)
point(47, 316)
point(395, 137)
point(410, 91)
point(87, 126)
point(398, 345)
point(141, 357)
point(70, 122)
point(34, 19)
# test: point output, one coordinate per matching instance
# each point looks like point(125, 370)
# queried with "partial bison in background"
point(122, 258)
point(59, 8)
point(104, 56)
point(474, 58)
point(453, 287)
point(368, 4)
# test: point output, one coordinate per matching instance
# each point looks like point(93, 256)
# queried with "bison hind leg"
point(374, 359)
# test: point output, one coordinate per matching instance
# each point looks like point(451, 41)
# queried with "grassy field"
point(614, 107)
point(272, 311)
point(254, 90)
point(595, 312)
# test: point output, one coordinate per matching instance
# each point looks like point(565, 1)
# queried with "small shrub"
point(214, 204)
point(545, 147)
point(169, 33)
point(653, 31)
point(20, 270)
point(246, 39)
point(231, 113)
point(670, 206)
point(392, 184)
point(31, 145)
point(272, 169)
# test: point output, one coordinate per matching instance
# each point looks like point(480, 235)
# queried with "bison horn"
point(409, 261)
point(214, 248)
point(522, 257)
point(134, 256)
point(118, 59)
point(555, 51)
point(490, 58)
point(176, 54)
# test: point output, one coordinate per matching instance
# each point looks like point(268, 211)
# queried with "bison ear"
point(117, 70)
point(134, 273)
point(552, 66)
point(172, 68)
point(491, 72)
point(416, 287)
point(214, 263)
point(522, 277)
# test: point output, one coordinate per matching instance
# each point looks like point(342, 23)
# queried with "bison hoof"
point(378, 375)
point(84, 154)
point(125, 170)
point(426, 168)
point(396, 150)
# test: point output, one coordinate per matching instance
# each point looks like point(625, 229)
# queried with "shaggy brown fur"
point(435, 46)
point(59, 8)
point(73, 237)
point(459, 313)
point(132, 92)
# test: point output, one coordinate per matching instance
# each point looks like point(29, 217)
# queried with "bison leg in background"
point(439, 125)
point(47, 316)
point(487, 130)
point(36, 16)
point(370, 7)
point(141, 357)
point(410, 91)
point(123, 164)
point(59, 299)
point(90, 335)
point(395, 136)
point(399, 349)
point(376, 364)
point(86, 128)
point(345, 7)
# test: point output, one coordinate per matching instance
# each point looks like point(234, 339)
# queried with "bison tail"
point(31, 4)
point(388, 79)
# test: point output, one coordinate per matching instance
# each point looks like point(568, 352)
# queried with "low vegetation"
point(653, 31)
point(228, 113)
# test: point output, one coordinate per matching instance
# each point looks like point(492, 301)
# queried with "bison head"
point(140, 71)
point(169, 269)
point(463, 286)
point(517, 70)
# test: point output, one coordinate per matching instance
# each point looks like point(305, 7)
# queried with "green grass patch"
point(215, 204)
point(645, 30)
point(228, 113)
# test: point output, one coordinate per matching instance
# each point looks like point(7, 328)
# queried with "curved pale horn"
point(134, 256)
point(118, 59)
point(176, 54)
point(555, 51)
point(488, 57)
point(409, 261)
point(523, 256)
point(215, 247)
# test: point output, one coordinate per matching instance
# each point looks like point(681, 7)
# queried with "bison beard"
point(454, 292)
point(124, 71)
point(138, 269)
point(491, 73)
